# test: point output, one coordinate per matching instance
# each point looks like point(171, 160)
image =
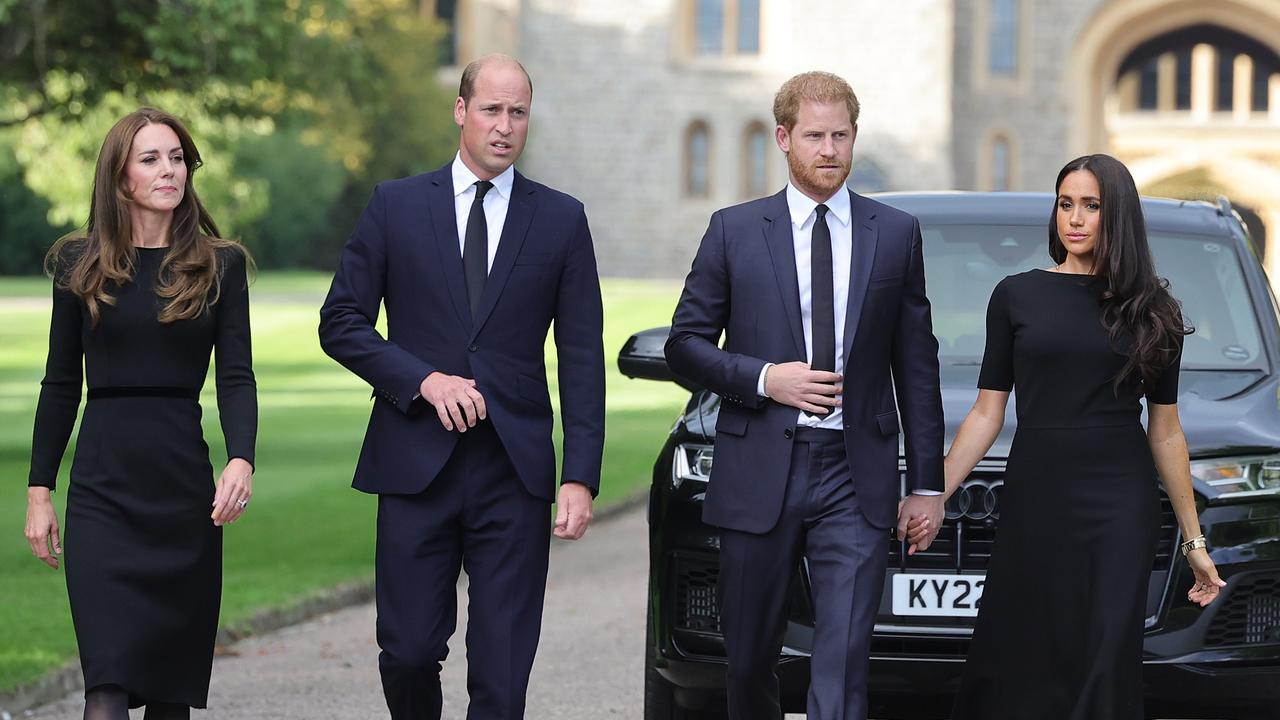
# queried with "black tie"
point(823, 297)
point(475, 248)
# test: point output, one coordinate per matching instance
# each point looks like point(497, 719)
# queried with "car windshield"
point(963, 263)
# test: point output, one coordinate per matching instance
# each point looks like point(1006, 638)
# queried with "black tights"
point(108, 702)
point(111, 702)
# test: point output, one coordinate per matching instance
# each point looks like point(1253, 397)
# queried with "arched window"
point(1164, 72)
point(1002, 37)
point(755, 153)
point(697, 160)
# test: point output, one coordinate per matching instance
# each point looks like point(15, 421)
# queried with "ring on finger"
point(243, 503)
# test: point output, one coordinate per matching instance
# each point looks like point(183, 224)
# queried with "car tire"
point(659, 696)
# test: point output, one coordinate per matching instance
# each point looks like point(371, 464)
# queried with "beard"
point(809, 179)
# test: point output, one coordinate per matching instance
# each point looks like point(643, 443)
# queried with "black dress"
point(143, 559)
point(1059, 635)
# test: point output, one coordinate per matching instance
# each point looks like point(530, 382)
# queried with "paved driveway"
point(589, 665)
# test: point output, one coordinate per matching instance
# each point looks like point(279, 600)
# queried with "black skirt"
point(143, 558)
point(1059, 635)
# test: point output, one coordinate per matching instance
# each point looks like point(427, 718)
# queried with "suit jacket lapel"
point(866, 232)
point(444, 225)
point(777, 231)
point(514, 229)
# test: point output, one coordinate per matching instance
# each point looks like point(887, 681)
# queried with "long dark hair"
point(85, 261)
point(1143, 320)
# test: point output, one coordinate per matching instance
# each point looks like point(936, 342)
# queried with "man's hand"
point(919, 520)
point(794, 384)
point(457, 402)
point(573, 511)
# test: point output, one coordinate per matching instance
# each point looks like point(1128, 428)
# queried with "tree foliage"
point(298, 106)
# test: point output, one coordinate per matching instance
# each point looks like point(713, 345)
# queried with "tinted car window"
point(963, 263)
point(1205, 275)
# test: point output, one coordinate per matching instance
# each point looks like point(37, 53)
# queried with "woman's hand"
point(235, 488)
point(917, 530)
point(42, 526)
point(1208, 583)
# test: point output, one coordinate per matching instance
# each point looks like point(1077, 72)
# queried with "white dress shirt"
point(496, 202)
point(803, 211)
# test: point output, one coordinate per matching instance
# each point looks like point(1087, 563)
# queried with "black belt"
point(151, 391)
point(807, 434)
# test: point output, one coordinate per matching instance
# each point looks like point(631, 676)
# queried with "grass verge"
point(308, 530)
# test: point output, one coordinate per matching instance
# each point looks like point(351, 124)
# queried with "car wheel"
point(659, 696)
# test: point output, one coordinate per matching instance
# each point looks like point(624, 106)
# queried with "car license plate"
point(937, 595)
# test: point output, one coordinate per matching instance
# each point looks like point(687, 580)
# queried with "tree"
point(60, 58)
point(341, 92)
point(25, 232)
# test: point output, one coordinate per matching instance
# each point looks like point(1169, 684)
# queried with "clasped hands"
point(459, 405)
point(920, 520)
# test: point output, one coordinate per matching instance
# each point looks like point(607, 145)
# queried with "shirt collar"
point(801, 206)
point(463, 178)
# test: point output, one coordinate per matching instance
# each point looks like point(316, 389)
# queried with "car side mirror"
point(643, 356)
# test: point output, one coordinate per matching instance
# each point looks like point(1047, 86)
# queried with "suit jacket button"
point(787, 433)
point(474, 348)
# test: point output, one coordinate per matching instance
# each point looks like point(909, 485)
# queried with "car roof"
point(1024, 208)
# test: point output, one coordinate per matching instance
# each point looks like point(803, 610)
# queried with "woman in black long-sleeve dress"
point(141, 298)
point(1059, 635)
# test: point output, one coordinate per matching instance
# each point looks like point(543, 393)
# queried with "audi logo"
point(976, 500)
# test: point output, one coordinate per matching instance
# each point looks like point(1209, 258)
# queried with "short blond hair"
point(815, 86)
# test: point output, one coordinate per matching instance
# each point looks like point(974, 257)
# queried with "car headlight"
point(1240, 477)
point(692, 462)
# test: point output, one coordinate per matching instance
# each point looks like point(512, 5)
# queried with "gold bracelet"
point(1193, 543)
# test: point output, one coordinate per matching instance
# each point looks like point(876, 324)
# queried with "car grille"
point(965, 542)
point(889, 645)
point(696, 608)
point(1251, 614)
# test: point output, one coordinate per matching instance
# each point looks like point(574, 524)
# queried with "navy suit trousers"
point(475, 516)
point(821, 521)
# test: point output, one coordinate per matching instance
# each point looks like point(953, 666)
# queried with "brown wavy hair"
point(1143, 320)
point(86, 262)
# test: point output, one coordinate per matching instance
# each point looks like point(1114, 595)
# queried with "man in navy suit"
point(820, 294)
point(473, 262)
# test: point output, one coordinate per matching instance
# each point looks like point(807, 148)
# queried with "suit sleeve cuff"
point(595, 489)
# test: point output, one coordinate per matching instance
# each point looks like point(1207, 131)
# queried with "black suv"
point(1223, 661)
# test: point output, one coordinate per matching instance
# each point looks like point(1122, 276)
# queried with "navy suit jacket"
point(404, 254)
point(743, 283)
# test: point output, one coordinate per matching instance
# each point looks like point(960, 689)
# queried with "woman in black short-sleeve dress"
point(141, 299)
point(1059, 635)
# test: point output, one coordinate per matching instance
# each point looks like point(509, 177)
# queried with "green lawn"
point(307, 530)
